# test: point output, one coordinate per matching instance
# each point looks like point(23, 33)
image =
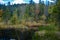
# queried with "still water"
point(16, 34)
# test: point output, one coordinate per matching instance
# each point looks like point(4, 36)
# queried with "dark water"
point(15, 34)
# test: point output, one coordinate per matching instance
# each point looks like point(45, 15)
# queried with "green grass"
point(49, 35)
point(50, 27)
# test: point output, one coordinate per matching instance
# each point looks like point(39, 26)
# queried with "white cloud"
point(1, 1)
point(51, 1)
point(22, 1)
point(48, 0)
point(13, 2)
point(36, 1)
point(18, 2)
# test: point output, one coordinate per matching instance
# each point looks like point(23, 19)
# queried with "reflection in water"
point(12, 39)
point(5, 39)
point(16, 34)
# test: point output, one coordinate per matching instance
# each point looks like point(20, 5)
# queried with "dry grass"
point(23, 24)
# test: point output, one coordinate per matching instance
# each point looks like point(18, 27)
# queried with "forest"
point(31, 21)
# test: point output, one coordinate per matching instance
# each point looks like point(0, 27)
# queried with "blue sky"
point(21, 1)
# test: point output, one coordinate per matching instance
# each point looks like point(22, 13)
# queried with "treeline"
point(18, 12)
point(55, 14)
point(29, 12)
